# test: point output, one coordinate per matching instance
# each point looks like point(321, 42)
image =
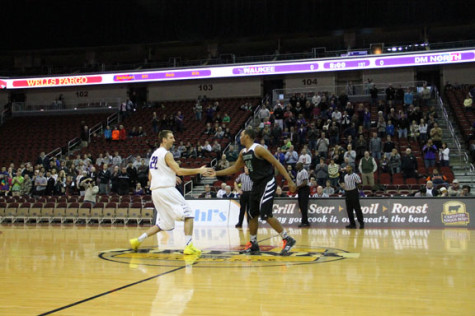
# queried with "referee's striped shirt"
point(351, 180)
point(246, 182)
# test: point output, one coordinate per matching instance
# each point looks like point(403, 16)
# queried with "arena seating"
point(23, 138)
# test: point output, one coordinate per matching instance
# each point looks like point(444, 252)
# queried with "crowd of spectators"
point(328, 132)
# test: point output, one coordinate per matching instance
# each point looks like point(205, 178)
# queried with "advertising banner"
point(331, 213)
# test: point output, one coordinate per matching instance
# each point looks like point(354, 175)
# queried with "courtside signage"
point(304, 66)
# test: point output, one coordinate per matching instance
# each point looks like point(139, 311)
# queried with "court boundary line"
point(110, 291)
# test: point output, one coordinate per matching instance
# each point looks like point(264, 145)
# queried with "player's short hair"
point(163, 134)
point(250, 132)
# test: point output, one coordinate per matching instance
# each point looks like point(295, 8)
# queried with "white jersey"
point(162, 175)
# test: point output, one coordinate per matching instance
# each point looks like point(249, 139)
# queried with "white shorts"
point(171, 206)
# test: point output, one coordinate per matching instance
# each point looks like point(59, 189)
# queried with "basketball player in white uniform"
point(171, 206)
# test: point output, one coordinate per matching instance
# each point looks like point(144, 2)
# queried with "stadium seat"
point(47, 212)
point(84, 212)
point(97, 212)
point(135, 212)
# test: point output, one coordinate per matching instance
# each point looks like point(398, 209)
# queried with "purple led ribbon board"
point(271, 69)
point(188, 74)
point(425, 59)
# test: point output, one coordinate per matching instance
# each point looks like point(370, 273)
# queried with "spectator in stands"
point(322, 145)
point(171, 123)
point(133, 132)
point(209, 114)
point(333, 173)
point(291, 156)
point(437, 178)
point(443, 192)
point(108, 134)
point(179, 121)
point(123, 182)
point(390, 94)
point(141, 132)
point(408, 97)
point(381, 126)
point(436, 135)
point(423, 127)
point(328, 189)
point(175, 152)
point(43, 160)
point(122, 133)
point(430, 152)
point(104, 177)
point(425, 95)
point(351, 155)
point(394, 162)
point(444, 155)
point(115, 134)
point(155, 123)
point(402, 125)
point(390, 128)
point(221, 191)
point(409, 165)
point(388, 147)
point(40, 184)
point(430, 189)
point(85, 136)
point(198, 110)
point(279, 192)
point(374, 95)
point(367, 168)
point(226, 118)
point(207, 194)
point(139, 189)
point(117, 159)
point(465, 191)
point(337, 154)
point(320, 193)
point(321, 172)
point(454, 189)
point(292, 173)
point(16, 184)
point(414, 133)
point(305, 158)
point(219, 133)
point(334, 133)
point(361, 146)
point(216, 148)
point(375, 146)
point(26, 185)
point(209, 130)
point(228, 194)
point(91, 190)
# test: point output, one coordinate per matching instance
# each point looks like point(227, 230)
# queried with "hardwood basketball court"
point(89, 270)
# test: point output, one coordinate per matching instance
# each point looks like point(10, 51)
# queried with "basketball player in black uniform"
point(260, 163)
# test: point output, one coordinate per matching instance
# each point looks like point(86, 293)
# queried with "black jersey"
point(259, 169)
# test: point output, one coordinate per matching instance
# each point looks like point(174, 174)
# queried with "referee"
point(245, 193)
point(303, 193)
point(352, 198)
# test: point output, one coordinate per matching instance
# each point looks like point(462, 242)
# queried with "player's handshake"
point(209, 172)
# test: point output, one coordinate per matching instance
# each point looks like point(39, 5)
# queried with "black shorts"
point(262, 198)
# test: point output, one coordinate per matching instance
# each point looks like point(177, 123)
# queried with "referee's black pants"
point(352, 199)
point(244, 201)
point(303, 198)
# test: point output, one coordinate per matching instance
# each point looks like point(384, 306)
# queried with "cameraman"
point(91, 190)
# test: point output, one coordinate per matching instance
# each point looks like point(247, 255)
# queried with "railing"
point(113, 118)
point(188, 188)
point(462, 154)
point(55, 152)
point(73, 143)
point(47, 105)
point(353, 91)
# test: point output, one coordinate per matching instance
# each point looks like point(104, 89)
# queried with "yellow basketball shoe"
point(134, 243)
point(191, 250)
